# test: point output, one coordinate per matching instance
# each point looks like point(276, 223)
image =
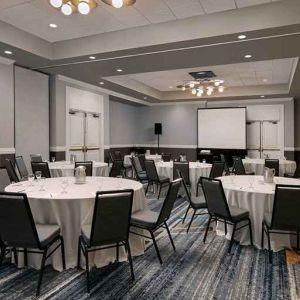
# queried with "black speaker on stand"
point(158, 132)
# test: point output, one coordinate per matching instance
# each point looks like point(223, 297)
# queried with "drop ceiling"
point(34, 16)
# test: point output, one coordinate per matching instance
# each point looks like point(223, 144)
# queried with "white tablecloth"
point(73, 209)
point(257, 166)
point(251, 193)
point(66, 169)
point(196, 170)
point(154, 157)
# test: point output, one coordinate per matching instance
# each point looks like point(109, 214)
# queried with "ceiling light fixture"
point(52, 25)
point(119, 3)
point(242, 36)
point(101, 83)
point(56, 3)
point(67, 9)
point(84, 8)
point(170, 87)
point(248, 56)
point(92, 57)
point(8, 52)
point(262, 96)
point(265, 80)
point(119, 70)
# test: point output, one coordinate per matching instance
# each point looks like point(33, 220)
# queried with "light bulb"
point(117, 3)
point(56, 3)
point(84, 8)
point(192, 84)
point(66, 9)
point(194, 91)
point(221, 89)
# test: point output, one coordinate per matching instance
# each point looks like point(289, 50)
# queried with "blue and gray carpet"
point(194, 271)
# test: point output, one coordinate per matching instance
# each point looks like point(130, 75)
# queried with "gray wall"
point(31, 113)
point(7, 106)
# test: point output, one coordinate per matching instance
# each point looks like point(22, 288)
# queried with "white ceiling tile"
point(212, 6)
point(244, 3)
point(11, 3)
point(184, 9)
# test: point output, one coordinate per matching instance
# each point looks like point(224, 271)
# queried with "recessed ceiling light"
point(242, 36)
point(101, 82)
point(119, 70)
point(52, 25)
point(262, 96)
point(265, 80)
point(170, 87)
point(92, 57)
point(8, 52)
point(145, 98)
point(248, 56)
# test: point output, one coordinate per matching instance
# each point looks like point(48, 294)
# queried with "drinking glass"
point(53, 159)
point(251, 181)
point(38, 175)
point(204, 161)
point(31, 179)
point(42, 184)
point(64, 185)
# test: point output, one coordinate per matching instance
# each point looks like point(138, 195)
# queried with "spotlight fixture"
point(101, 83)
point(67, 7)
point(92, 57)
point(248, 56)
point(52, 25)
point(242, 36)
point(119, 70)
point(262, 96)
point(8, 52)
point(119, 3)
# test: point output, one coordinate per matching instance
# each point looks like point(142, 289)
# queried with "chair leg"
point(262, 236)
point(298, 234)
point(86, 253)
point(207, 227)
point(15, 255)
point(147, 187)
point(170, 236)
point(186, 213)
point(191, 221)
point(25, 257)
point(79, 253)
point(225, 224)
point(2, 255)
point(127, 247)
point(160, 186)
point(117, 252)
point(232, 238)
point(41, 272)
point(269, 246)
point(62, 249)
point(250, 230)
point(155, 246)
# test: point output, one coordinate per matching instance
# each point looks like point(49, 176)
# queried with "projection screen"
point(222, 128)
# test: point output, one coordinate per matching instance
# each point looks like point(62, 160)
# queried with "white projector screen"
point(222, 128)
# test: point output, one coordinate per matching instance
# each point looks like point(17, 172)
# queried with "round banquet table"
point(257, 166)
point(155, 157)
point(196, 170)
point(251, 193)
point(72, 209)
point(66, 169)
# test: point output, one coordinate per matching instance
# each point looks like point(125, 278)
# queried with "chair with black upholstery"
point(296, 174)
point(166, 156)
point(153, 178)
point(272, 164)
point(219, 210)
point(88, 167)
point(226, 168)
point(238, 167)
point(10, 168)
point(142, 159)
point(284, 218)
point(21, 167)
point(118, 155)
point(151, 221)
point(19, 233)
point(111, 157)
point(4, 179)
point(109, 228)
point(117, 169)
point(126, 168)
point(217, 170)
point(36, 158)
point(42, 167)
point(196, 203)
point(140, 175)
point(184, 168)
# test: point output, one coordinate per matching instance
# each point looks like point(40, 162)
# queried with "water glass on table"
point(31, 179)
point(38, 175)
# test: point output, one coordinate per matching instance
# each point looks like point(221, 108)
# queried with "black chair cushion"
point(199, 202)
point(238, 214)
point(47, 233)
point(144, 219)
point(164, 179)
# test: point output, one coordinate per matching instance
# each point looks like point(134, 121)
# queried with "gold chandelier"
point(67, 7)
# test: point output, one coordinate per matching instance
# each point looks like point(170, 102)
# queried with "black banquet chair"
point(36, 158)
point(142, 159)
point(184, 168)
point(21, 167)
point(4, 179)
point(219, 210)
point(151, 221)
point(285, 216)
point(239, 168)
point(88, 167)
point(196, 203)
point(10, 168)
point(272, 164)
point(153, 178)
point(109, 228)
point(42, 167)
point(19, 233)
point(116, 169)
point(140, 175)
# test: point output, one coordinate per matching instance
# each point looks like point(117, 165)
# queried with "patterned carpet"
point(194, 271)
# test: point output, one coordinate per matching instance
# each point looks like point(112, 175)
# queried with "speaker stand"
point(158, 144)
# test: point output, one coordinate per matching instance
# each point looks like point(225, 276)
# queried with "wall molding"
point(7, 150)
point(290, 148)
point(6, 61)
point(58, 148)
point(153, 146)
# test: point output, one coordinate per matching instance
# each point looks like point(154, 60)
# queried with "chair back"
point(111, 157)
point(41, 166)
point(36, 158)
point(142, 159)
point(297, 171)
point(223, 159)
point(10, 168)
point(118, 155)
point(217, 169)
point(135, 162)
point(169, 201)
point(184, 168)
point(88, 167)
point(179, 175)
point(215, 198)
point(151, 171)
point(4, 179)
point(111, 219)
point(17, 227)
point(116, 169)
point(272, 164)
point(286, 207)
point(238, 166)
point(166, 156)
point(21, 166)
